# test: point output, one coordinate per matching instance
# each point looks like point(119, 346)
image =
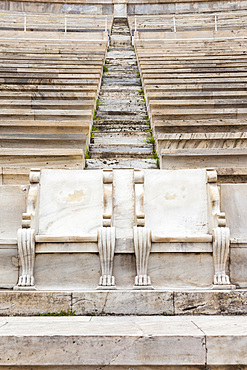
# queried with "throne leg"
point(142, 244)
point(221, 242)
point(26, 249)
point(106, 246)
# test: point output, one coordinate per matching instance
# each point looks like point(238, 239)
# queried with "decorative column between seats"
point(142, 235)
point(221, 236)
point(107, 236)
point(26, 235)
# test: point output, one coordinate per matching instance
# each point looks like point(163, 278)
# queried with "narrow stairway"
point(121, 134)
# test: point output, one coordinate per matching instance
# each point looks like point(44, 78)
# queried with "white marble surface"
point(71, 202)
point(123, 208)
point(120, 10)
point(12, 205)
point(175, 202)
point(234, 204)
point(143, 340)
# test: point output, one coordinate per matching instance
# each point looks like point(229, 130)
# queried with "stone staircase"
point(121, 134)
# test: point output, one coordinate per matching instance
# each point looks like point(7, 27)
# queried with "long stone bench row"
point(54, 22)
point(48, 92)
point(196, 97)
point(132, 6)
point(188, 22)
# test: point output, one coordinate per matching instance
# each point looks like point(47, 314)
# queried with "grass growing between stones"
point(155, 156)
point(87, 155)
point(61, 313)
point(105, 68)
point(150, 140)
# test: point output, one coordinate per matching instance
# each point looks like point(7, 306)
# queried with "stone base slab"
point(123, 341)
point(124, 302)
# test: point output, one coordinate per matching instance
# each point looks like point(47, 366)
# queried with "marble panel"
point(226, 339)
point(175, 202)
point(82, 270)
point(107, 9)
point(120, 10)
point(76, 196)
point(123, 209)
point(67, 271)
point(238, 266)
point(12, 205)
point(210, 302)
point(181, 270)
point(31, 303)
point(8, 267)
point(122, 302)
point(234, 204)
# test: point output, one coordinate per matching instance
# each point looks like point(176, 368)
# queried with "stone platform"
point(124, 302)
point(121, 342)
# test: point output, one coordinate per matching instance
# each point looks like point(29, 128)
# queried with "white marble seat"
point(179, 212)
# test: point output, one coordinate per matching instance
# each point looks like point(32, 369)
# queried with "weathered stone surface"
point(123, 302)
point(238, 264)
point(67, 271)
point(234, 200)
point(122, 135)
point(100, 341)
point(181, 270)
point(76, 196)
point(124, 341)
point(31, 303)
point(219, 334)
point(8, 266)
point(12, 204)
point(183, 197)
point(210, 303)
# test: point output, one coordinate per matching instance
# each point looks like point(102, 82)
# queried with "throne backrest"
point(71, 202)
point(176, 202)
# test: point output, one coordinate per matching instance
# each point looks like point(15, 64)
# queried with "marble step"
point(130, 101)
point(127, 62)
point(124, 342)
point(120, 40)
point(134, 89)
point(47, 104)
point(120, 110)
point(121, 69)
point(111, 128)
point(141, 163)
point(118, 140)
point(123, 72)
point(120, 152)
point(121, 134)
point(119, 54)
point(113, 97)
point(122, 81)
point(121, 120)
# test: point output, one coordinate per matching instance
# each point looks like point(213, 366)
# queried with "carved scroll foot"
point(106, 246)
point(26, 250)
point(142, 244)
point(221, 242)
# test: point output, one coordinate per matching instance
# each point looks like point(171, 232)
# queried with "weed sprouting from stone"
point(61, 313)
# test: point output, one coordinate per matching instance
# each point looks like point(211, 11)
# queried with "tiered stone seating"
point(195, 91)
point(54, 22)
point(187, 22)
point(49, 86)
